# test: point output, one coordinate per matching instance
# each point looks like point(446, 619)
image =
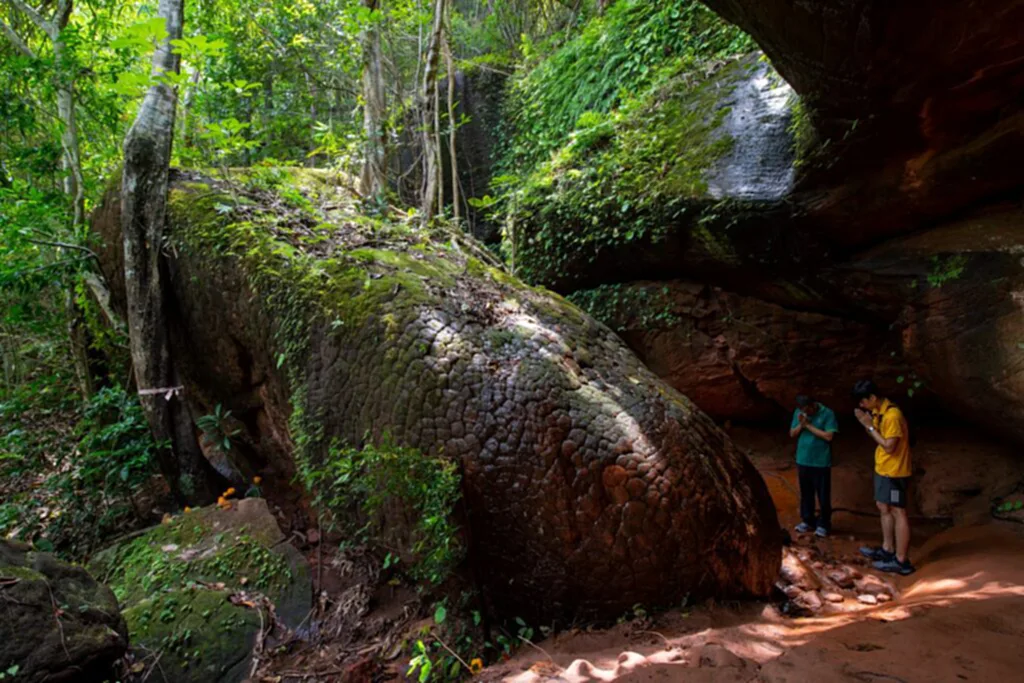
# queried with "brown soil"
point(960, 617)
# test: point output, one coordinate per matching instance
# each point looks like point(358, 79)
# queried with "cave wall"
point(892, 250)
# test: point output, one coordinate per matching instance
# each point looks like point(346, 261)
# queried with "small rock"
point(818, 565)
point(630, 660)
point(842, 577)
point(872, 585)
point(714, 656)
point(883, 597)
point(868, 599)
point(810, 601)
point(796, 572)
point(792, 592)
point(833, 597)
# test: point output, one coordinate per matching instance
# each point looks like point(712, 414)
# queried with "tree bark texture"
point(431, 135)
point(452, 124)
point(147, 153)
point(373, 178)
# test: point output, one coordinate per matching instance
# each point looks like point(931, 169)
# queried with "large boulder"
point(954, 295)
point(188, 589)
point(691, 179)
point(899, 123)
point(590, 485)
point(744, 358)
point(58, 623)
point(919, 106)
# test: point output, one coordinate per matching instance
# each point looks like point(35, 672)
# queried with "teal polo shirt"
point(810, 450)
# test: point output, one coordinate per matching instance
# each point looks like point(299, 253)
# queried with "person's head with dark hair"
point(866, 394)
point(806, 404)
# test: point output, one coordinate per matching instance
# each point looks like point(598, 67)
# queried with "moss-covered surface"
point(200, 635)
point(173, 583)
point(314, 261)
point(335, 329)
point(57, 621)
point(631, 177)
point(192, 548)
point(626, 306)
point(615, 56)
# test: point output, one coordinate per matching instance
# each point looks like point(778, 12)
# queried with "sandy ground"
point(959, 618)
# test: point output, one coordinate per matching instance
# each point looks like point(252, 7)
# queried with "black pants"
point(815, 481)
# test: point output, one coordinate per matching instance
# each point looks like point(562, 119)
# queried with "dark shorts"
point(891, 490)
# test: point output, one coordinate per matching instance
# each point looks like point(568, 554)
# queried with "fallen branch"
point(538, 647)
point(455, 654)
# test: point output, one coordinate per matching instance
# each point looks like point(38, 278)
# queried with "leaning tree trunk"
point(147, 154)
point(373, 178)
point(429, 105)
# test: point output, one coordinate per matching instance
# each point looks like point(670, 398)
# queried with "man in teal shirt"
point(813, 426)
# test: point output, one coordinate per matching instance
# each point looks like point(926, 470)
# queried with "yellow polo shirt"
point(889, 422)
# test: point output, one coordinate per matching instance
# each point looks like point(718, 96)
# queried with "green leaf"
point(280, 359)
point(440, 614)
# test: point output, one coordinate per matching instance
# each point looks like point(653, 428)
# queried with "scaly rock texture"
point(590, 485)
point(58, 625)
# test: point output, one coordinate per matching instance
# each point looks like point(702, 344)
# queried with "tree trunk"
point(372, 181)
point(147, 154)
point(429, 101)
point(79, 339)
point(452, 124)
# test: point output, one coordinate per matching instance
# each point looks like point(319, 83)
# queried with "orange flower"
point(476, 665)
point(230, 492)
point(256, 481)
point(187, 509)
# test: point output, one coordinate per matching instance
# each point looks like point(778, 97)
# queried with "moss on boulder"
point(57, 623)
point(662, 181)
point(174, 582)
point(588, 485)
point(202, 636)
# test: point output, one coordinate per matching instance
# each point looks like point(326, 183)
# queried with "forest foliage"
point(594, 105)
point(265, 85)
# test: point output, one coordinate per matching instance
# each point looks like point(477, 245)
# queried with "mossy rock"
point(200, 634)
point(665, 182)
point(58, 623)
point(326, 331)
point(162, 578)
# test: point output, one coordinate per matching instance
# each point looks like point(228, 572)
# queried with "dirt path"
point(959, 618)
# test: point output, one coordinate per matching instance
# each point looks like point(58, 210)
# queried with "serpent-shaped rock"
point(589, 484)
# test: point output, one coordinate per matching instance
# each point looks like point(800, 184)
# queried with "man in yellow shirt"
point(886, 425)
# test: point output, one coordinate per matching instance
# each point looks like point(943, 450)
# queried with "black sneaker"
point(894, 566)
point(877, 554)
